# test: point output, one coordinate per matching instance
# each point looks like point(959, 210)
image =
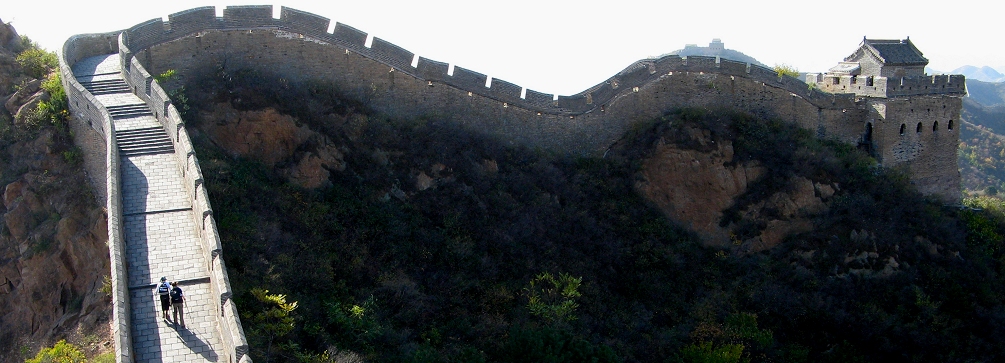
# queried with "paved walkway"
point(160, 233)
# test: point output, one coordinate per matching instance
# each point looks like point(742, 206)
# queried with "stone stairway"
point(146, 141)
point(158, 224)
point(105, 86)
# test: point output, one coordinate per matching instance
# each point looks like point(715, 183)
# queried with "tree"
point(554, 299)
point(273, 318)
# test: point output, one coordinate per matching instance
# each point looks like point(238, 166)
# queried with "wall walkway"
point(159, 219)
point(158, 226)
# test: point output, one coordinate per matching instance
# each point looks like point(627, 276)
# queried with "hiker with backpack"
point(163, 290)
point(177, 303)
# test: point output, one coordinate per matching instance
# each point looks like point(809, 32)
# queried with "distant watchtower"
point(913, 118)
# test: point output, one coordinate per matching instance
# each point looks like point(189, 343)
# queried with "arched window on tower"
point(918, 129)
point(950, 124)
point(868, 133)
point(935, 126)
point(902, 128)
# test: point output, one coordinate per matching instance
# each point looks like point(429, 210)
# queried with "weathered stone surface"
point(309, 172)
point(423, 181)
point(694, 187)
point(53, 260)
point(266, 135)
point(30, 105)
point(303, 156)
point(14, 103)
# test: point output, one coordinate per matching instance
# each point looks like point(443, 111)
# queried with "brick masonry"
point(160, 222)
point(297, 46)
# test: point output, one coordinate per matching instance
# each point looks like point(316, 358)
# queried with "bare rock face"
point(8, 37)
point(54, 258)
point(266, 135)
point(694, 188)
point(17, 100)
point(304, 157)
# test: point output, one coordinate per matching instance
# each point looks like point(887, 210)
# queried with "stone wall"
point(88, 110)
point(927, 144)
point(954, 85)
point(231, 333)
point(297, 46)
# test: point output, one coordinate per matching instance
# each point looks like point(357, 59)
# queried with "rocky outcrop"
point(53, 254)
point(695, 185)
point(306, 158)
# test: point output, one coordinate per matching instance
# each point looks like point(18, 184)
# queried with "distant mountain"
point(986, 94)
point(715, 49)
point(985, 73)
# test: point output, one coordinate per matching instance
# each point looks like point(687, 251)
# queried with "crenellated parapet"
point(156, 98)
point(316, 28)
point(302, 46)
point(889, 87)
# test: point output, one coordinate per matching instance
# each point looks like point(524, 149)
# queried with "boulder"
point(29, 106)
point(14, 103)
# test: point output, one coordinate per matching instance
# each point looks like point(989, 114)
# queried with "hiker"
point(163, 290)
point(178, 302)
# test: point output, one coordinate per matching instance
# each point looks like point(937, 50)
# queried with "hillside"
point(53, 255)
point(413, 240)
point(982, 74)
point(981, 157)
point(987, 94)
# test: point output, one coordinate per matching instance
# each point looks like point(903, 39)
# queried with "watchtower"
point(913, 118)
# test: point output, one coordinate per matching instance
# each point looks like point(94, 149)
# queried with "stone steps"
point(106, 87)
point(129, 111)
point(147, 141)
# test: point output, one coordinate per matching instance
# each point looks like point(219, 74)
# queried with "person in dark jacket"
point(178, 303)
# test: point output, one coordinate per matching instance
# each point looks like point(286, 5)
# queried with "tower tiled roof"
point(895, 51)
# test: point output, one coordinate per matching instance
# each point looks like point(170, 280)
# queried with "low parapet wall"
point(229, 323)
point(88, 110)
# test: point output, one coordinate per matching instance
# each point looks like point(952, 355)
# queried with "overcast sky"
point(565, 47)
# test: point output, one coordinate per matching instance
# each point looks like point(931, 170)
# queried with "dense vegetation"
point(518, 256)
point(981, 160)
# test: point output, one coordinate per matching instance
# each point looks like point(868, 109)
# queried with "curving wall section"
point(144, 86)
point(87, 109)
point(297, 46)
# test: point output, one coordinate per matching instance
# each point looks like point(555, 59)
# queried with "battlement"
point(307, 25)
point(890, 86)
point(299, 46)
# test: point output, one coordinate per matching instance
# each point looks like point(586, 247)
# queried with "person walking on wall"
point(177, 303)
point(163, 290)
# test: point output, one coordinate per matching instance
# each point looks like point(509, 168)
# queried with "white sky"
point(565, 47)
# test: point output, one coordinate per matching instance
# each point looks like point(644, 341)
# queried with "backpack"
point(164, 288)
point(176, 295)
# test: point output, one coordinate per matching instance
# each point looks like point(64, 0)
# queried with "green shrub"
point(706, 352)
point(528, 344)
point(62, 352)
point(554, 299)
point(104, 358)
point(786, 70)
point(37, 62)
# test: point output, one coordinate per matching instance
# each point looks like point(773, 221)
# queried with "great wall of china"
point(300, 46)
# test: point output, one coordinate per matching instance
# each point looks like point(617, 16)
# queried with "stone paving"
point(161, 240)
